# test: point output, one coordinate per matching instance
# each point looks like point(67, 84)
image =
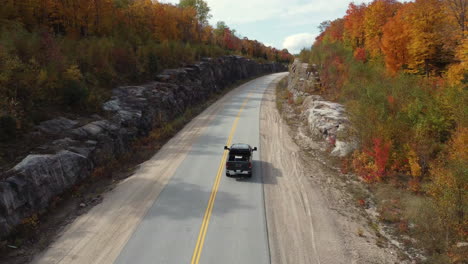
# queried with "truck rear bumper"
point(235, 173)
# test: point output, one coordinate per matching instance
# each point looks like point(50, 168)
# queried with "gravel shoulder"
point(311, 217)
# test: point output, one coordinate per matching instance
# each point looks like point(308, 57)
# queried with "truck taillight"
point(250, 165)
point(227, 164)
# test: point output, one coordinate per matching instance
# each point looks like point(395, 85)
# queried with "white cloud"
point(295, 43)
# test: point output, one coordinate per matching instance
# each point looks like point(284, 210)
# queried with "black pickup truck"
point(239, 161)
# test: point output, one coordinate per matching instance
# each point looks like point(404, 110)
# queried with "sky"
point(290, 24)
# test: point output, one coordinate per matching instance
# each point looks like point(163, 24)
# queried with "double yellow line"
point(209, 209)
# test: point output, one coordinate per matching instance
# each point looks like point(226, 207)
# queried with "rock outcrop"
point(77, 146)
point(303, 79)
point(324, 119)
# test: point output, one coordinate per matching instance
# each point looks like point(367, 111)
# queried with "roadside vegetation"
point(401, 70)
point(66, 56)
point(282, 93)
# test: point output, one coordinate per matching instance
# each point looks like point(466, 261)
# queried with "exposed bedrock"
point(324, 119)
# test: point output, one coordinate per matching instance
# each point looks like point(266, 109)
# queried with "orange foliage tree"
point(395, 42)
point(419, 37)
point(354, 25)
point(335, 31)
point(375, 16)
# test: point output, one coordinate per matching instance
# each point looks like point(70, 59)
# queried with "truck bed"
point(238, 165)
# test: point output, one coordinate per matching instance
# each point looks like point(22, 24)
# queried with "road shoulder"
point(306, 221)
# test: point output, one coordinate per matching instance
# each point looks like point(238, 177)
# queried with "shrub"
point(74, 93)
point(299, 100)
point(380, 153)
point(449, 186)
point(125, 63)
point(7, 128)
point(152, 63)
point(371, 164)
point(364, 166)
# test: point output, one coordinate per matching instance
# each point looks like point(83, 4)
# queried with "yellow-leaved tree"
point(426, 48)
point(457, 74)
point(449, 186)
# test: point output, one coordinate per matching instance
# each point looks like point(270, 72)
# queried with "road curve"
point(179, 207)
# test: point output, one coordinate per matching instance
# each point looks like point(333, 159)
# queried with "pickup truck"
point(239, 161)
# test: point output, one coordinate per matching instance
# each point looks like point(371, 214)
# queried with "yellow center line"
point(206, 219)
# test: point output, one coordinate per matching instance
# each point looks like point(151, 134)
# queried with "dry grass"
point(282, 93)
point(413, 215)
point(360, 232)
point(299, 100)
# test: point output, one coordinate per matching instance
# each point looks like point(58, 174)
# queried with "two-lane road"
point(201, 215)
point(180, 207)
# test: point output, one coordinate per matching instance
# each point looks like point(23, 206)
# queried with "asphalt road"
point(179, 207)
point(234, 230)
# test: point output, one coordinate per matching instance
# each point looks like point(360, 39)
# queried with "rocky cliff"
point(76, 147)
point(324, 119)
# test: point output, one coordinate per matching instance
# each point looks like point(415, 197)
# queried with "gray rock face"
point(37, 179)
point(328, 120)
point(303, 79)
point(56, 126)
point(324, 119)
point(133, 111)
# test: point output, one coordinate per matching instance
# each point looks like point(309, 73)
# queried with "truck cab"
point(239, 160)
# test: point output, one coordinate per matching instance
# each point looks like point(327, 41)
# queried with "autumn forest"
point(401, 70)
point(67, 55)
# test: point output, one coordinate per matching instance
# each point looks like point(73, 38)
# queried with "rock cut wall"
point(324, 119)
point(76, 147)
